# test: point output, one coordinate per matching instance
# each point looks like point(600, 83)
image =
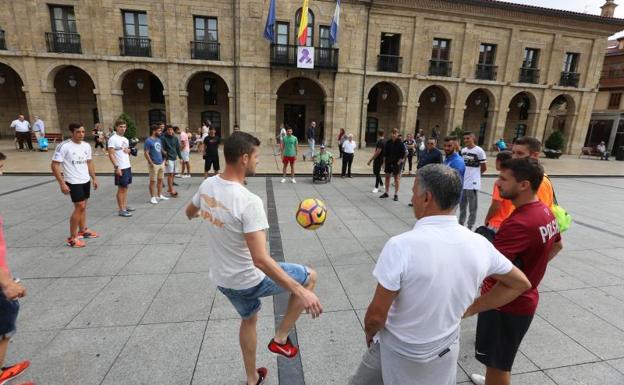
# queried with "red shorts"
point(289, 160)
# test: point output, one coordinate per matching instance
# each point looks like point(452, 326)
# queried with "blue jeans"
point(247, 301)
point(311, 142)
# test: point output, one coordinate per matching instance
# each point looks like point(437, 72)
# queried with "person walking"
point(98, 139)
point(475, 162)
point(410, 145)
point(39, 129)
point(185, 151)
point(453, 159)
point(341, 138)
point(289, 154)
point(530, 239)
point(412, 324)
point(240, 264)
point(154, 156)
point(378, 159)
point(394, 156)
point(74, 171)
point(171, 150)
point(22, 132)
point(119, 155)
point(211, 152)
point(348, 152)
point(311, 134)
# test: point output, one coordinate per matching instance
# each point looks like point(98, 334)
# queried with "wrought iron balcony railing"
point(569, 79)
point(486, 71)
point(135, 46)
point(440, 67)
point(63, 42)
point(205, 50)
point(529, 75)
point(389, 63)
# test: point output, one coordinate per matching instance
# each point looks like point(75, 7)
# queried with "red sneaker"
point(87, 233)
point(262, 375)
point(287, 349)
point(75, 242)
point(9, 373)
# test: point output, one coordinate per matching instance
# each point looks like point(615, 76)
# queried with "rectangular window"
point(487, 54)
point(135, 24)
point(441, 49)
point(210, 92)
point(531, 57)
point(571, 62)
point(206, 29)
point(324, 40)
point(614, 100)
point(390, 44)
point(63, 19)
point(282, 32)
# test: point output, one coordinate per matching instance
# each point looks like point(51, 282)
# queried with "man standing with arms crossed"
point(74, 171)
point(475, 162)
point(119, 155)
point(154, 157)
point(289, 154)
point(394, 156)
point(240, 264)
point(171, 150)
point(530, 239)
point(311, 133)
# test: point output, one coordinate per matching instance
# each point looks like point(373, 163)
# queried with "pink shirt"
point(184, 141)
point(3, 263)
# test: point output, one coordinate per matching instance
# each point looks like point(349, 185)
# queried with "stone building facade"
point(497, 69)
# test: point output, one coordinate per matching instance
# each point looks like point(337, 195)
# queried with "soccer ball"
point(311, 213)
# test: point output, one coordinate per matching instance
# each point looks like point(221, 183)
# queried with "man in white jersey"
point(75, 172)
point(119, 155)
point(239, 262)
point(476, 164)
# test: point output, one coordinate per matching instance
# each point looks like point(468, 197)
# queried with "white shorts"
point(170, 167)
point(185, 156)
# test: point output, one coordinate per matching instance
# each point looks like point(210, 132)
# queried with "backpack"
point(564, 219)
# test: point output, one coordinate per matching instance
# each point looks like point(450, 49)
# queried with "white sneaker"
point(163, 198)
point(477, 379)
point(154, 201)
point(375, 190)
point(179, 176)
point(283, 180)
point(293, 180)
point(187, 176)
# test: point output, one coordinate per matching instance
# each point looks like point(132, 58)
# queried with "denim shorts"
point(8, 316)
point(247, 301)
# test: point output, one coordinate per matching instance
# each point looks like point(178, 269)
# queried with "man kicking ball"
point(240, 264)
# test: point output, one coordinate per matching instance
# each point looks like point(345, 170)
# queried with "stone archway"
point(143, 99)
point(208, 99)
point(433, 111)
point(300, 101)
point(561, 113)
point(12, 99)
point(75, 100)
point(520, 119)
point(478, 114)
point(383, 111)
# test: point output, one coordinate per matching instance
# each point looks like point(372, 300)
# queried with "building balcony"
point(486, 71)
point(135, 46)
point(389, 63)
point(285, 55)
point(2, 41)
point(569, 79)
point(205, 50)
point(62, 42)
point(529, 75)
point(440, 67)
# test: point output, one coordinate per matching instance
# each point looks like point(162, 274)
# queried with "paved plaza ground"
point(136, 306)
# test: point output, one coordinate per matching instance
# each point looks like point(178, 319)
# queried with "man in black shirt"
point(311, 133)
point(431, 155)
point(394, 156)
point(377, 159)
point(211, 152)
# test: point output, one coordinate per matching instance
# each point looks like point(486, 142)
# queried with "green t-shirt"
point(290, 145)
point(326, 157)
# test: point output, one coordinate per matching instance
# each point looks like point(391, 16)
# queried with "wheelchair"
point(322, 172)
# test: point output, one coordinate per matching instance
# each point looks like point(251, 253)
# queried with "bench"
point(53, 139)
point(590, 151)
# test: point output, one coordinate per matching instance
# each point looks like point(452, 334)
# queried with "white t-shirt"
point(349, 147)
point(74, 157)
point(230, 212)
point(39, 126)
point(473, 158)
point(22, 126)
point(438, 267)
point(119, 143)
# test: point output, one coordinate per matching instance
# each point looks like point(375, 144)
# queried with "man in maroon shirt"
point(530, 239)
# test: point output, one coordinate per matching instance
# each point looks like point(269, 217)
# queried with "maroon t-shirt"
point(526, 238)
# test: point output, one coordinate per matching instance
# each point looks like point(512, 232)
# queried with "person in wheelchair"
point(322, 162)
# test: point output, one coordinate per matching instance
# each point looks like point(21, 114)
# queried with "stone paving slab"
point(138, 302)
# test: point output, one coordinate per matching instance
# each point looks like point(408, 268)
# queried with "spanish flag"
point(302, 34)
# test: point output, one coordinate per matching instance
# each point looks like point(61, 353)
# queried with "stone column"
point(232, 113)
point(328, 125)
point(183, 109)
point(402, 118)
point(448, 121)
point(491, 138)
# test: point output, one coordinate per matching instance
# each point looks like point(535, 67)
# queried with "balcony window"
point(614, 100)
point(389, 59)
point(135, 41)
point(310, 27)
point(486, 69)
point(529, 73)
point(64, 37)
point(439, 65)
point(570, 76)
point(206, 44)
point(2, 40)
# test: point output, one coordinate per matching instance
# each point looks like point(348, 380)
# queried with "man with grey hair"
point(412, 323)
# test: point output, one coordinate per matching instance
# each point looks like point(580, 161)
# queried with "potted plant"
point(554, 144)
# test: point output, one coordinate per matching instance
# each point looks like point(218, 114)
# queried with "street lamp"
point(207, 85)
point(478, 100)
point(71, 79)
point(140, 84)
point(521, 103)
point(301, 90)
point(384, 94)
point(2, 78)
point(433, 98)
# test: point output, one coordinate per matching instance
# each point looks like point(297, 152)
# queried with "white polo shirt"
point(438, 267)
point(23, 126)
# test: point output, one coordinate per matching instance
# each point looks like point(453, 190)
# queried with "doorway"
point(295, 117)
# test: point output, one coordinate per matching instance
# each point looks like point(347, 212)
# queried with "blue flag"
point(335, 24)
point(269, 28)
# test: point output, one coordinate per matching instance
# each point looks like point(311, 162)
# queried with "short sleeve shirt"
point(290, 145)
point(381, 144)
point(184, 142)
point(349, 147)
point(526, 238)
point(211, 144)
point(154, 149)
point(23, 126)
point(119, 143)
point(74, 158)
point(504, 211)
point(456, 162)
point(473, 159)
point(230, 211)
point(394, 150)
